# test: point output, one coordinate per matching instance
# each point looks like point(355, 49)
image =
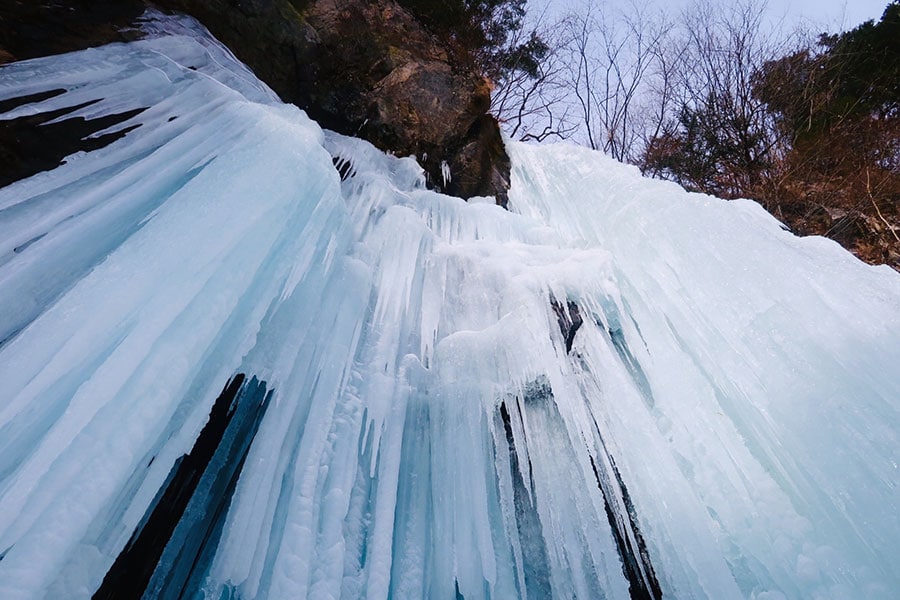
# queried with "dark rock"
point(370, 69)
point(29, 29)
point(31, 144)
point(366, 68)
point(481, 166)
point(270, 36)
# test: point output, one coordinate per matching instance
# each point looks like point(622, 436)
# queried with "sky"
point(834, 14)
point(821, 15)
point(790, 21)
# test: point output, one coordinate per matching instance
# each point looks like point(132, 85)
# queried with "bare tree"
point(674, 96)
point(532, 104)
point(718, 137)
point(661, 96)
point(612, 56)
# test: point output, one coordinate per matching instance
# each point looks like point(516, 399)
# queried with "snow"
point(731, 399)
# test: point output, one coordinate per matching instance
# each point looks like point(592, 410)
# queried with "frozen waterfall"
point(241, 357)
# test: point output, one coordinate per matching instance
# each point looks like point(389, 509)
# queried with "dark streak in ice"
point(535, 563)
point(569, 320)
point(632, 364)
point(172, 547)
point(21, 247)
point(636, 565)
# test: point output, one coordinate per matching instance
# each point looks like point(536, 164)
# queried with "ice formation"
point(232, 370)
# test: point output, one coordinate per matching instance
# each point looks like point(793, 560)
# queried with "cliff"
point(363, 68)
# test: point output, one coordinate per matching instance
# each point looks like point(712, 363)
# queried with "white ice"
point(744, 381)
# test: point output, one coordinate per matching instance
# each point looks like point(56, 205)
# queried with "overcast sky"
point(834, 14)
point(822, 15)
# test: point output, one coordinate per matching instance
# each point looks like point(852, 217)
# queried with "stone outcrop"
point(366, 68)
point(369, 68)
point(29, 29)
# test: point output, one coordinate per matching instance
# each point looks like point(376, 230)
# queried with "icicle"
point(445, 173)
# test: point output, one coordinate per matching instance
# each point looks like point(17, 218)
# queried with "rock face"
point(30, 29)
point(366, 68)
point(369, 68)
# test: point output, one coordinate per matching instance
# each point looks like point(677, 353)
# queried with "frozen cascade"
point(616, 390)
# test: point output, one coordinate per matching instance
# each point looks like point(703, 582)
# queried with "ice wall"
point(615, 390)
